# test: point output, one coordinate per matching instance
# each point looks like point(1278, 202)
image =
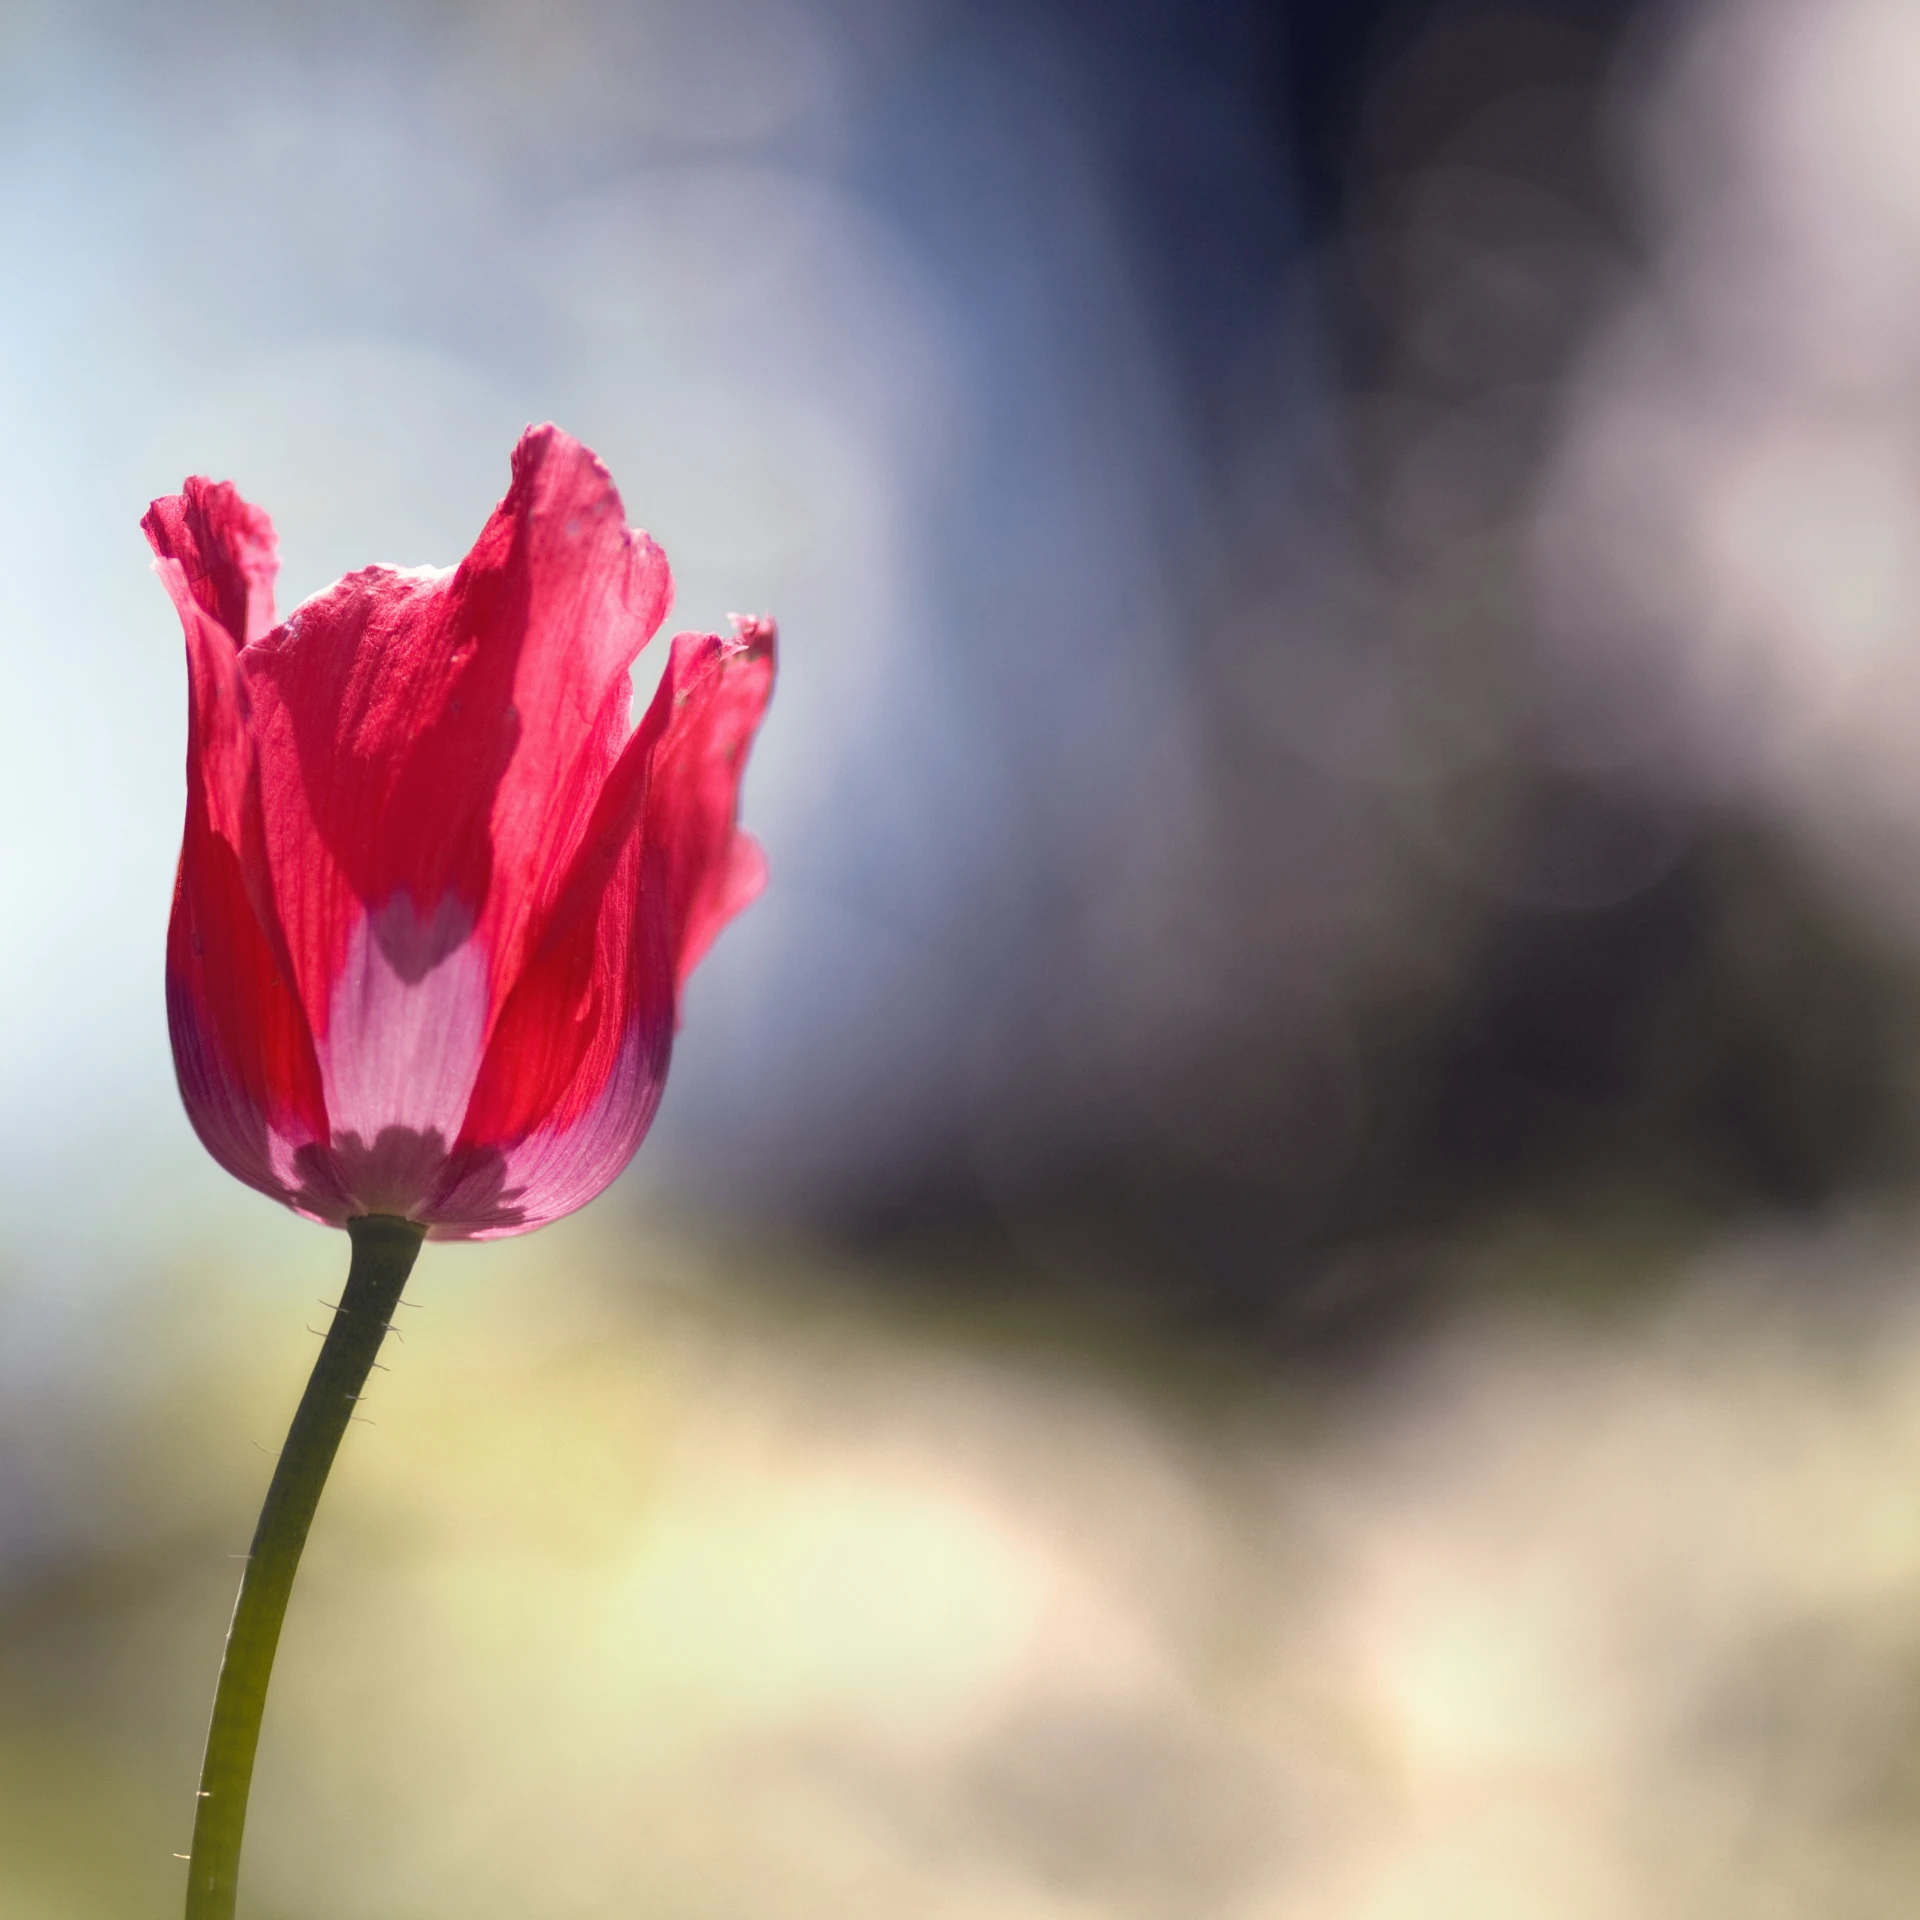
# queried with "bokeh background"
point(1279, 1273)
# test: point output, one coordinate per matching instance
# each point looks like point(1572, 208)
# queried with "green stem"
point(384, 1249)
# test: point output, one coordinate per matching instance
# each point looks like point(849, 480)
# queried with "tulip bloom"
point(436, 901)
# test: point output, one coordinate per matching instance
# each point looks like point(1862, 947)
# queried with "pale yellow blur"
point(675, 1582)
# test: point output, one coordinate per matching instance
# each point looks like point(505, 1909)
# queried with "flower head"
point(436, 899)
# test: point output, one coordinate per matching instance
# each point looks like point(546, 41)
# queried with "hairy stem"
point(384, 1249)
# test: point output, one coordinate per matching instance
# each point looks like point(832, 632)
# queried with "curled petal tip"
point(756, 632)
point(217, 552)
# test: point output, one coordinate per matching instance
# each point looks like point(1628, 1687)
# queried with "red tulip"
point(436, 902)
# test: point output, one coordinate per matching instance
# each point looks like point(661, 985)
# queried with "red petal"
point(241, 1049)
point(241, 1045)
point(574, 1070)
point(693, 807)
point(432, 746)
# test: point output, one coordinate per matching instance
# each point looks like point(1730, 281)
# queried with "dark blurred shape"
point(1453, 937)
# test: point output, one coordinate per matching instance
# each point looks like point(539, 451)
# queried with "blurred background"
point(1277, 1278)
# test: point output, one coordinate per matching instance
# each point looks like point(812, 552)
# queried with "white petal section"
point(405, 1025)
